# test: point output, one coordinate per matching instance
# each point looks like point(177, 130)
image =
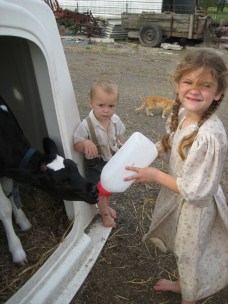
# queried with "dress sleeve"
point(202, 169)
point(81, 133)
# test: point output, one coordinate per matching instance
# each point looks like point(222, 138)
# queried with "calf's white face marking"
point(56, 164)
point(4, 108)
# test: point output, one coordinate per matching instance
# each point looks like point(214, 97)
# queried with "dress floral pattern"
point(194, 222)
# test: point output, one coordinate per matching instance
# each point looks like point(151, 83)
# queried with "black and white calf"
point(19, 162)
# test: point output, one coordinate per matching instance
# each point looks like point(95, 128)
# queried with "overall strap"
point(117, 138)
point(93, 135)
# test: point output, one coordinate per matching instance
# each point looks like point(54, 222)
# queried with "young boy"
point(99, 136)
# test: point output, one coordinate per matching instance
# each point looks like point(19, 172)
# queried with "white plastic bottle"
point(137, 151)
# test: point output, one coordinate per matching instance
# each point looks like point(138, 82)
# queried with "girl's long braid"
point(173, 125)
point(188, 140)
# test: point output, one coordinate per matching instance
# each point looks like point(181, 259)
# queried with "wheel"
point(150, 35)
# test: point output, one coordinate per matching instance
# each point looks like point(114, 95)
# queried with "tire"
point(150, 35)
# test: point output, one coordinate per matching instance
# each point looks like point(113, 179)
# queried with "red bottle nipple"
point(102, 191)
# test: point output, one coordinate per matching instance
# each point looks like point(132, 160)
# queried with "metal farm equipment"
point(83, 22)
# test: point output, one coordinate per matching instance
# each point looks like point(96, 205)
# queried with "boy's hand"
point(90, 149)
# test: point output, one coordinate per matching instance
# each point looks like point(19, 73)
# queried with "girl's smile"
point(192, 99)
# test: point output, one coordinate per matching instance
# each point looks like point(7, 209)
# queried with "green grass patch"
point(135, 47)
point(217, 16)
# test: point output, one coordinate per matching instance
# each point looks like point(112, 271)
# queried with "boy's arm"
point(121, 131)
point(80, 146)
point(80, 137)
point(87, 147)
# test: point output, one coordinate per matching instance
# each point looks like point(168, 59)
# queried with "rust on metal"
point(84, 22)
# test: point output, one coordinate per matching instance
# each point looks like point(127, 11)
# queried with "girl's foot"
point(112, 212)
point(107, 220)
point(173, 286)
point(166, 285)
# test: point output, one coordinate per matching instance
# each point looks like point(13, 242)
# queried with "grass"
point(218, 16)
point(104, 49)
point(135, 47)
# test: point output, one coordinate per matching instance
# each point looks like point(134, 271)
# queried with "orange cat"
point(153, 102)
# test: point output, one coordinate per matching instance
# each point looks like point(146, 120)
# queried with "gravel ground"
point(126, 268)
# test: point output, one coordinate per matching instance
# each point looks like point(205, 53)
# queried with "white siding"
point(112, 8)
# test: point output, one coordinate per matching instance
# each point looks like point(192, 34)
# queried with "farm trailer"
point(151, 28)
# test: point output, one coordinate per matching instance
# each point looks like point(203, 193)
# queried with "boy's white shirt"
point(106, 140)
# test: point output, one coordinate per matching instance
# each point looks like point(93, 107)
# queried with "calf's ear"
point(49, 146)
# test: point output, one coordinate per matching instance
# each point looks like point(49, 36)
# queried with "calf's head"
point(55, 175)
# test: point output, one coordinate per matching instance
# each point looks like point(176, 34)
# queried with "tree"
point(221, 5)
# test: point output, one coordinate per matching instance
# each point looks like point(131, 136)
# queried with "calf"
point(19, 162)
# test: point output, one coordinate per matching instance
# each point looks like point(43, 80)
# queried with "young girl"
point(191, 213)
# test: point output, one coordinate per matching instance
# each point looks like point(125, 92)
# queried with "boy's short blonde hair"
point(106, 85)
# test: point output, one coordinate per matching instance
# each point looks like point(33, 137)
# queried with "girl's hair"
point(212, 63)
point(106, 85)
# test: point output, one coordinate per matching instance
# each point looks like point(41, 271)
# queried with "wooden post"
point(191, 27)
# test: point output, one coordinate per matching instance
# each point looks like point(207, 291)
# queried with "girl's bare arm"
point(150, 174)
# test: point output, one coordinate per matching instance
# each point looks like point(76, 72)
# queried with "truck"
point(151, 27)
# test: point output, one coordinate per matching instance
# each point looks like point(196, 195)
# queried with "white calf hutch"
point(36, 83)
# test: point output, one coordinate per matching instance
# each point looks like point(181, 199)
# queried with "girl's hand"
point(150, 174)
point(90, 149)
point(142, 175)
